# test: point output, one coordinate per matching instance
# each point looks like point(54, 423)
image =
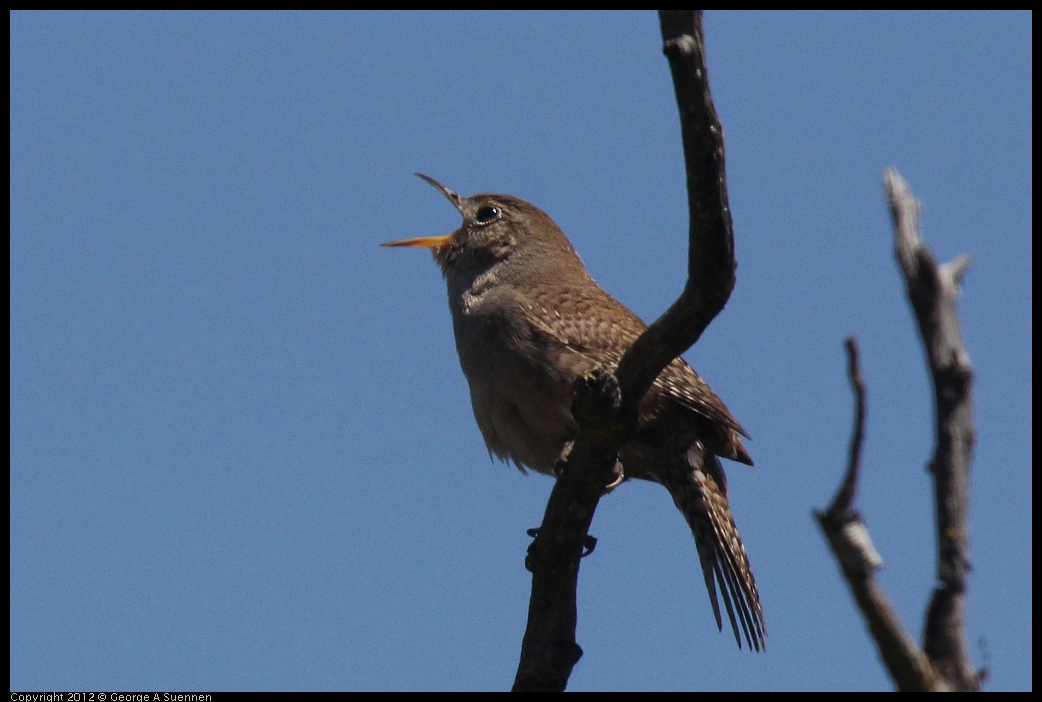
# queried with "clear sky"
point(242, 450)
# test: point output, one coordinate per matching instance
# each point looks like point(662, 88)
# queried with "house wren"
point(529, 320)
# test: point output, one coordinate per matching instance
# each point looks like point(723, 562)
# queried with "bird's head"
point(495, 228)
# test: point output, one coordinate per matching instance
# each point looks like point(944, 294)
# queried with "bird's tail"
point(701, 494)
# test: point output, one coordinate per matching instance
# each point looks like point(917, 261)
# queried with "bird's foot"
point(620, 478)
point(618, 474)
point(530, 556)
point(562, 459)
point(589, 544)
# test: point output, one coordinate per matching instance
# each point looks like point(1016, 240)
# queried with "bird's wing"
point(580, 323)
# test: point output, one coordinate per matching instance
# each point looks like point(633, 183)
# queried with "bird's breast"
point(520, 381)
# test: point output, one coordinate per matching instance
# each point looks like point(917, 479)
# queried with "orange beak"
point(426, 242)
point(432, 242)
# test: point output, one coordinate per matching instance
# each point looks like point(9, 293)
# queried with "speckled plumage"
point(528, 319)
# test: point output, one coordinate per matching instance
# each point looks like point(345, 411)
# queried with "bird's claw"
point(562, 459)
point(620, 477)
point(589, 543)
point(534, 532)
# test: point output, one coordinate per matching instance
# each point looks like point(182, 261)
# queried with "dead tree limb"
point(932, 290)
point(606, 404)
point(943, 662)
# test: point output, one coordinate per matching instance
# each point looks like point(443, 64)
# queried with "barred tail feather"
point(701, 496)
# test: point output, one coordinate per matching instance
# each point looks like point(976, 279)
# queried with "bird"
point(528, 320)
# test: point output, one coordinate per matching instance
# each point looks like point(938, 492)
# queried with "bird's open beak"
point(452, 197)
point(427, 242)
point(432, 242)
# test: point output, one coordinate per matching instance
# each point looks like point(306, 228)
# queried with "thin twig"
point(844, 499)
point(851, 543)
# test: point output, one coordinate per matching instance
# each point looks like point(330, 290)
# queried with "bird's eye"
point(486, 214)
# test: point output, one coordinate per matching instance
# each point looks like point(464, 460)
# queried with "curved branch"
point(606, 408)
point(710, 261)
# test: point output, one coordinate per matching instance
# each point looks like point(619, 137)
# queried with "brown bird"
point(528, 321)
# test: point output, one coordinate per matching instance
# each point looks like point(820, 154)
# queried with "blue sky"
point(242, 450)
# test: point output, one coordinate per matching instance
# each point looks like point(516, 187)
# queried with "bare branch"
point(608, 417)
point(548, 650)
point(944, 661)
point(844, 499)
point(711, 264)
point(932, 290)
point(858, 559)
